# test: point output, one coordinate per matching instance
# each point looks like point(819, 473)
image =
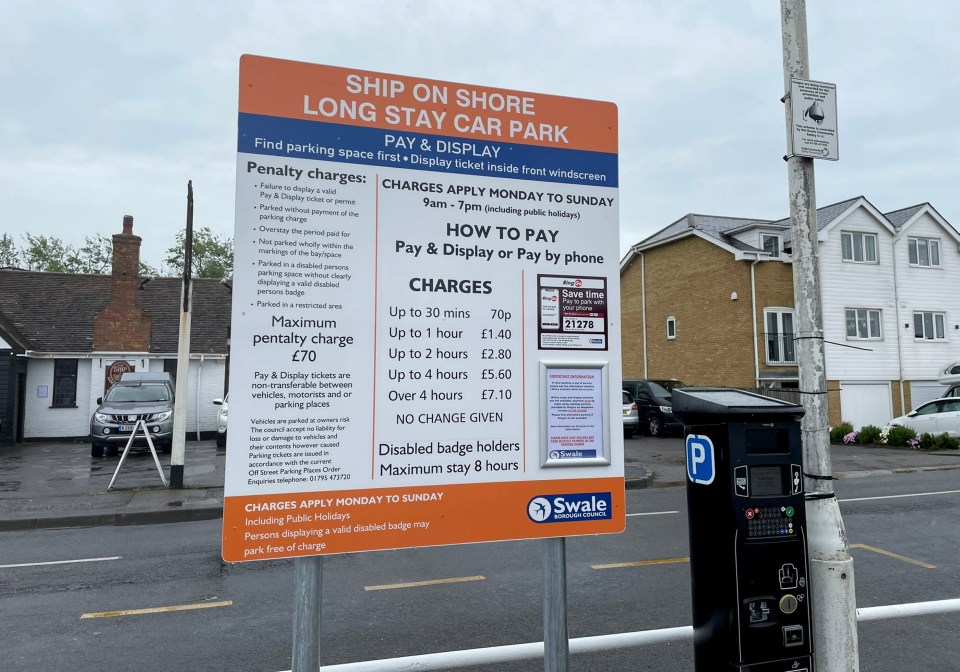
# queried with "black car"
point(654, 405)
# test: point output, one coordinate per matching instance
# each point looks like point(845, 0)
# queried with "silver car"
point(138, 396)
point(222, 420)
point(631, 419)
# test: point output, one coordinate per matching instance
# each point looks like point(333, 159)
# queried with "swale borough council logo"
point(570, 507)
point(539, 509)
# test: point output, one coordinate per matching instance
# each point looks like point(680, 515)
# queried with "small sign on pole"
point(813, 128)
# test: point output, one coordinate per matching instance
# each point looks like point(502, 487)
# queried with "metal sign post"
point(556, 644)
point(140, 426)
point(307, 590)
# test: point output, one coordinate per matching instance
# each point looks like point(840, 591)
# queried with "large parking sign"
point(426, 338)
point(701, 465)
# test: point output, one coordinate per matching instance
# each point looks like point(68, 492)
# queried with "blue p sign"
point(701, 466)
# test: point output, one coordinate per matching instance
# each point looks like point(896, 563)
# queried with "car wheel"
point(221, 440)
point(96, 450)
point(654, 427)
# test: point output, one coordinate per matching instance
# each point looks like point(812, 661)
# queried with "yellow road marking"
point(896, 556)
point(157, 610)
point(417, 584)
point(641, 563)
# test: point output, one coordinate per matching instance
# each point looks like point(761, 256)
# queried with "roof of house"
point(825, 216)
point(710, 225)
point(900, 217)
point(721, 229)
point(54, 312)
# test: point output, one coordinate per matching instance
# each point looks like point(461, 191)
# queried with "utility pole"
point(179, 447)
point(831, 567)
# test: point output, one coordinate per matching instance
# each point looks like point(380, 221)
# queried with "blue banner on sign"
point(322, 141)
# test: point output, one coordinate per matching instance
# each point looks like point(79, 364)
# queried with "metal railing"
point(779, 348)
point(450, 660)
point(793, 396)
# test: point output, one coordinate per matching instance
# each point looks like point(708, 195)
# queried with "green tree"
point(212, 255)
point(9, 256)
point(43, 253)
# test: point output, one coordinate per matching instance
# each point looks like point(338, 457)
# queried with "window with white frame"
point(864, 323)
point(671, 328)
point(860, 248)
point(780, 348)
point(930, 326)
point(770, 242)
point(924, 251)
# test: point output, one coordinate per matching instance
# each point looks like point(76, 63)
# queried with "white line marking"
point(60, 562)
point(914, 494)
point(652, 513)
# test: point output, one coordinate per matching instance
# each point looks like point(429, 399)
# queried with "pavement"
point(58, 485)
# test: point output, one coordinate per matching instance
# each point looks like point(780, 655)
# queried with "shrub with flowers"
point(885, 435)
point(899, 435)
point(850, 438)
point(913, 443)
point(837, 433)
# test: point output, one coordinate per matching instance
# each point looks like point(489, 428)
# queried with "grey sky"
point(109, 107)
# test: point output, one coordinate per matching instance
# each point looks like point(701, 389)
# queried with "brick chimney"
point(123, 326)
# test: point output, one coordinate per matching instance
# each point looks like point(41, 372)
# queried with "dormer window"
point(770, 242)
point(924, 251)
point(860, 248)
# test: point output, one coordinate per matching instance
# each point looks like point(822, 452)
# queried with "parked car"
point(669, 385)
point(934, 417)
point(631, 420)
point(137, 396)
point(653, 406)
point(222, 420)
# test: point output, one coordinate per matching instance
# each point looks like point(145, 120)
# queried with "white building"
point(63, 336)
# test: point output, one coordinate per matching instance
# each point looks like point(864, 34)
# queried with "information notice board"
point(416, 263)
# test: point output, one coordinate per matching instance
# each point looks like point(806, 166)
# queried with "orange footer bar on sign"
point(262, 527)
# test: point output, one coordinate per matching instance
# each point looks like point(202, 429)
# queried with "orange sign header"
point(295, 90)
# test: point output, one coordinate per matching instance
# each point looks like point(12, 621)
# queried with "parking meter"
point(748, 536)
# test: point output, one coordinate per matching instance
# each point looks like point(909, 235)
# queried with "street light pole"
point(831, 567)
point(179, 440)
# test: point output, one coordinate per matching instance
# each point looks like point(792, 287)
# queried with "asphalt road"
point(213, 616)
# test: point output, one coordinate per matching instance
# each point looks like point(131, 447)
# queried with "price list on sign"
point(395, 239)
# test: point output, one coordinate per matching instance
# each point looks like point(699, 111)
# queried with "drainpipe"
point(643, 304)
point(199, 389)
point(753, 311)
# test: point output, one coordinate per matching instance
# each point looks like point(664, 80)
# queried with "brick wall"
point(834, 412)
point(123, 326)
point(693, 280)
point(631, 318)
point(774, 283)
